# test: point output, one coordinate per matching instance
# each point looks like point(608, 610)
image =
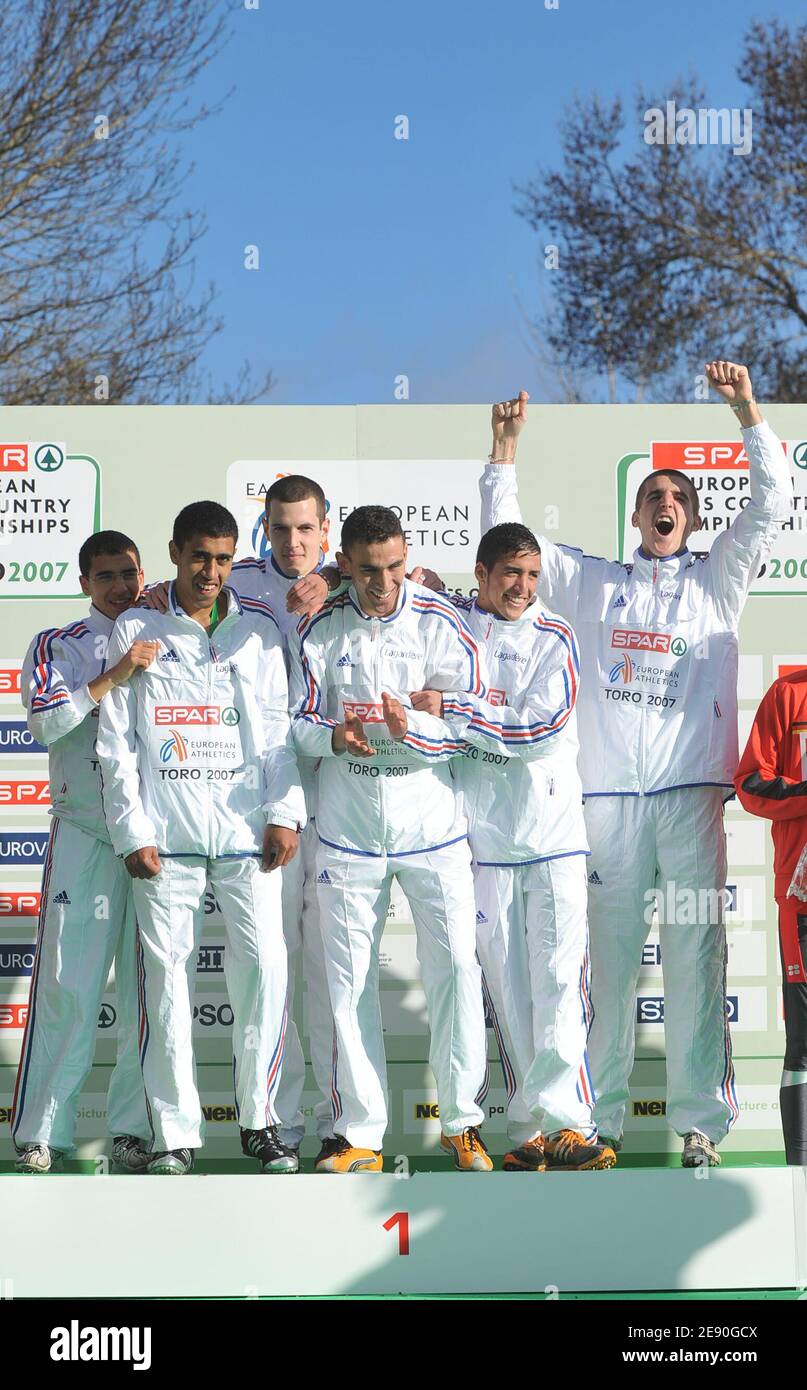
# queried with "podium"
point(251, 1236)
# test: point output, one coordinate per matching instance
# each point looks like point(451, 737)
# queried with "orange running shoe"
point(569, 1152)
point(344, 1158)
point(467, 1150)
point(527, 1158)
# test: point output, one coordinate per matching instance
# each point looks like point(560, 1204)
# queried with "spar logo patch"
point(187, 714)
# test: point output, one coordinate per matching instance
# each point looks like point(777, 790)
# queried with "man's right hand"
point(508, 419)
point(428, 702)
point(430, 579)
point(143, 863)
point(349, 738)
point(307, 595)
point(155, 597)
point(139, 656)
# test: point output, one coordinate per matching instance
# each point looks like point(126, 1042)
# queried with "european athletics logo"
point(174, 745)
point(623, 668)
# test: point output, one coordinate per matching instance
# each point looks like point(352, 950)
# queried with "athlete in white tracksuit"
point(197, 760)
point(522, 795)
point(395, 813)
point(658, 733)
point(264, 579)
point(86, 915)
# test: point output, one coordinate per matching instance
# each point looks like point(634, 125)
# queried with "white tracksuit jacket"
point(196, 751)
point(265, 580)
point(62, 715)
point(403, 800)
point(658, 638)
point(524, 803)
point(73, 953)
point(519, 780)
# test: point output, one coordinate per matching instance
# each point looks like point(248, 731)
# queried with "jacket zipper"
point(642, 759)
point(375, 648)
point(211, 690)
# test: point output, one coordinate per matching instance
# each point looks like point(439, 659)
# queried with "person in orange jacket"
point(771, 781)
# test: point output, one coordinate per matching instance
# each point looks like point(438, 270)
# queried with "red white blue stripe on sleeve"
point(433, 604)
point(50, 693)
point(256, 605)
point(511, 729)
point(433, 747)
point(310, 705)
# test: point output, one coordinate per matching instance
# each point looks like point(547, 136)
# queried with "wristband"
point(740, 405)
point(491, 459)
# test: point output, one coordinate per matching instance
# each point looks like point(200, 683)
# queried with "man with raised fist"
point(658, 754)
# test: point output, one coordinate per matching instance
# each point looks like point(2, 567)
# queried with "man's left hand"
point(428, 702)
point(279, 847)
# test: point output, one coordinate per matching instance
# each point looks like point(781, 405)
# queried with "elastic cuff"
point(83, 700)
point(132, 849)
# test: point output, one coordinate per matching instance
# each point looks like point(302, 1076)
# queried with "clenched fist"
point(143, 863)
point(508, 419)
point(139, 656)
point(730, 380)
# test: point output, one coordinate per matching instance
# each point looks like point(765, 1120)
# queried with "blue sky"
point(382, 256)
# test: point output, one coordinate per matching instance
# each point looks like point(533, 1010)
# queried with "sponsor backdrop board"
point(66, 471)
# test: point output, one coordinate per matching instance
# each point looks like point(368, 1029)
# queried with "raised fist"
point(507, 419)
point(730, 380)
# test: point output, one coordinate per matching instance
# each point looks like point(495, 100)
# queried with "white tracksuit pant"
point(674, 842)
point(170, 917)
point(532, 942)
point(86, 920)
point(354, 894)
point(304, 946)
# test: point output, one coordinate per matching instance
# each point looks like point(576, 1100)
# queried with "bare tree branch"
point(682, 252)
point(96, 256)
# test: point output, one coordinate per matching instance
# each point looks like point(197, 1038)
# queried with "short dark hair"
point(680, 477)
point(511, 538)
point(370, 526)
point(296, 488)
point(204, 519)
point(105, 543)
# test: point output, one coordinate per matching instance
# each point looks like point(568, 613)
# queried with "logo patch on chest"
point(637, 639)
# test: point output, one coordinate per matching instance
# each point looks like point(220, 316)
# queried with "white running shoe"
point(699, 1152)
point(38, 1158)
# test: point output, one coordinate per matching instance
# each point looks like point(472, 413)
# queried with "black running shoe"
point(174, 1163)
point(273, 1155)
point(331, 1144)
point(131, 1154)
